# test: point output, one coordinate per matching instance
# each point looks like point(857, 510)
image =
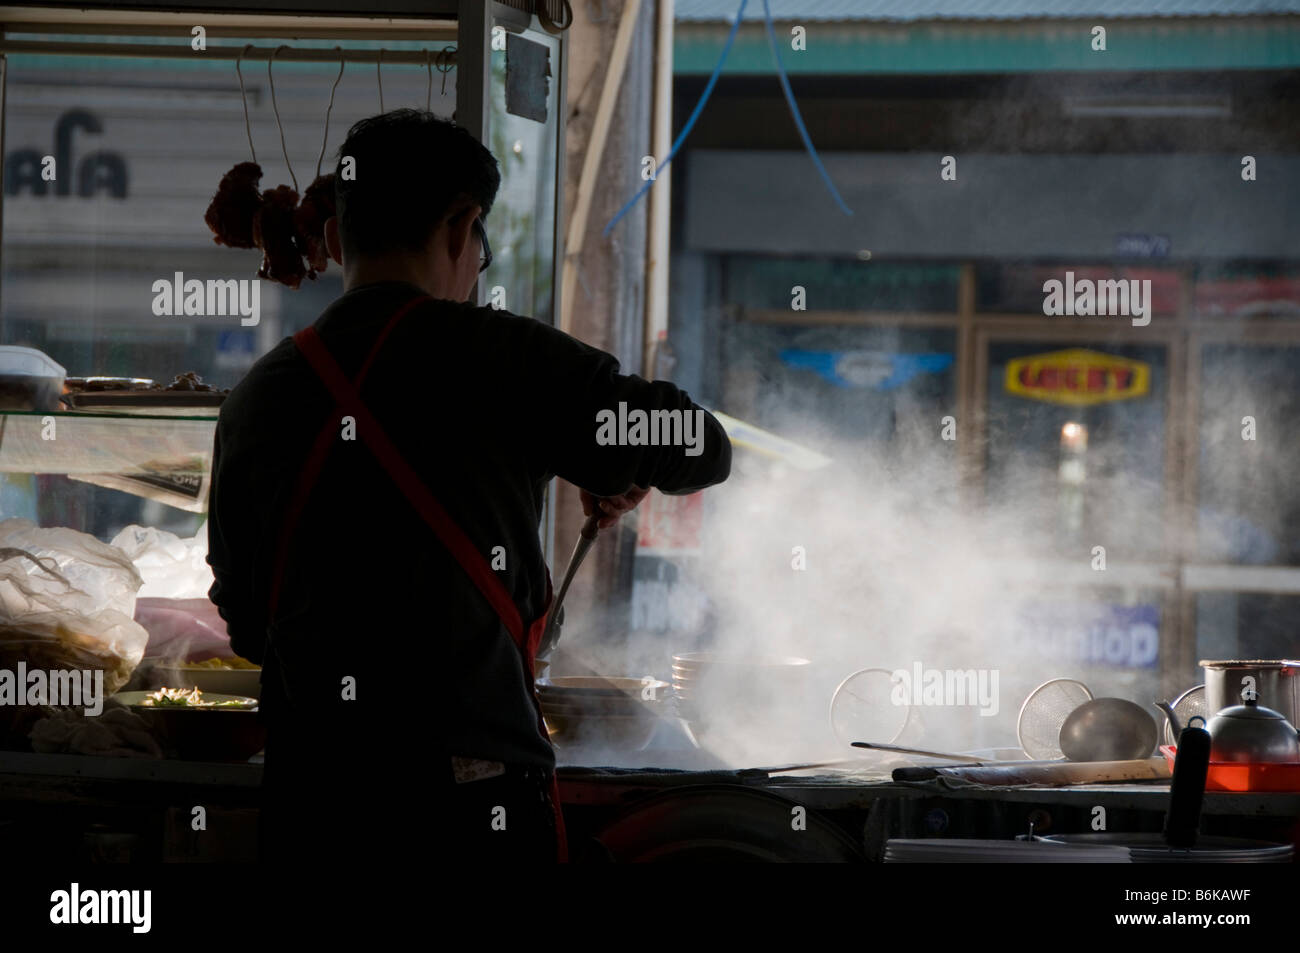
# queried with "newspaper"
point(168, 459)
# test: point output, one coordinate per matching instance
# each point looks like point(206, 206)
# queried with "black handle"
point(914, 773)
point(1187, 788)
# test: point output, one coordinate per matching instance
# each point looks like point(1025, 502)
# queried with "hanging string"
point(329, 109)
point(379, 74)
point(428, 92)
point(444, 65)
point(283, 148)
point(244, 96)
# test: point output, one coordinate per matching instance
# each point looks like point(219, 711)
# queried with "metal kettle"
point(1253, 733)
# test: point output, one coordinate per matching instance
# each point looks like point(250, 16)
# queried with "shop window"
point(843, 390)
point(521, 226)
point(138, 148)
point(843, 410)
point(1244, 625)
point(1075, 455)
point(1249, 500)
point(1246, 290)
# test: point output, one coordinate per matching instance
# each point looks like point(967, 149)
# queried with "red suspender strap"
point(315, 462)
point(430, 510)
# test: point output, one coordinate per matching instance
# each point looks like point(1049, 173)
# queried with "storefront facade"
point(1124, 468)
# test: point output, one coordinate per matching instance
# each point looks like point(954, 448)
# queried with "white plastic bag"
point(172, 568)
point(67, 602)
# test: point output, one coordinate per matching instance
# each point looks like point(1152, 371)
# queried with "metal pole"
point(4, 105)
point(472, 78)
point(591, 160)
point(657, 244)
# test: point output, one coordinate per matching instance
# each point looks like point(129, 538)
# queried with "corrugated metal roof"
point(914, 10)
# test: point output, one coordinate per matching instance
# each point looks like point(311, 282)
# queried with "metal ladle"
point(896, 749)
point(551, 634)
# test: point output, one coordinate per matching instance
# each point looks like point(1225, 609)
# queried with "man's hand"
point(612, 506)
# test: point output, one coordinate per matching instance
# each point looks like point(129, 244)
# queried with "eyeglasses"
point(486, 258)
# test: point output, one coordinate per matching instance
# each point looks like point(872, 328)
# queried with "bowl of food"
point(224, 676)
point(627, 733)
point(603, 686)
point(198, 726)
point(602, 711)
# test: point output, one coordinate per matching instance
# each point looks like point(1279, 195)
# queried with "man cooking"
point(377, 490)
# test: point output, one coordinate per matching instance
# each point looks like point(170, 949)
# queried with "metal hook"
point(343, 61)
point(244, 96)
point(444, 65)
point(283, 148)
point(428, 90)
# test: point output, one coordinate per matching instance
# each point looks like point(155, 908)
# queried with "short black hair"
point(410, 167)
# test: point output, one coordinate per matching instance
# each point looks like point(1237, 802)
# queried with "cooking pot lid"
point(1251, 710)
point(1283, 664)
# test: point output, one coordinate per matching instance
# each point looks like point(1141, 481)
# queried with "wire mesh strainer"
point(1189, 705)
point(1043, 714)
point(862, 709)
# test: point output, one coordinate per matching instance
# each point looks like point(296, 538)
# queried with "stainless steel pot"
point(1276, 685)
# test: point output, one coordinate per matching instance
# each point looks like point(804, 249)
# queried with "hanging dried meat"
point(274, 233)
point(231, 212)
point(242, 217)
point(309, 221)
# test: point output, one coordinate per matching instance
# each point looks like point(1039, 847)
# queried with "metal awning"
point(723, 11)
point(857, 47)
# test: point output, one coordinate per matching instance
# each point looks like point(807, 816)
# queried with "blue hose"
point(690, 123)
point(704, 98)
point(798, 119)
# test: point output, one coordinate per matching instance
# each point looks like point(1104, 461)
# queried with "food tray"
point(1246, 776)
point(158, 402)
point(76, 385)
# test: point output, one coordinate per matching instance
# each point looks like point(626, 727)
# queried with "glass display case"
point(118, 126)
point(140, 125)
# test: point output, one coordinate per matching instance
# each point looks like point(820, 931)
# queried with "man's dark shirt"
point(486, 407)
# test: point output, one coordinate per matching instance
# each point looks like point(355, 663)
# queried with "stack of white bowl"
point(745, 690)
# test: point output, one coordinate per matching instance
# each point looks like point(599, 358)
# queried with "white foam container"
point(29, 379)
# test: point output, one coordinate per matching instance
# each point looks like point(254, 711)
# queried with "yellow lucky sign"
point(1077, 377)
